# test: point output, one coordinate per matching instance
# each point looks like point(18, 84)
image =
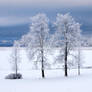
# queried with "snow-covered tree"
point(37, 39)
point(67, 36)
point(80, 59)
point(15, 58)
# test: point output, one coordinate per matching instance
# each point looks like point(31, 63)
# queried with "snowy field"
point(32, 82)
point(54, 81)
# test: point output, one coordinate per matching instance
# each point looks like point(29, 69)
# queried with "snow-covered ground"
point(5, 53)
point(54, 81)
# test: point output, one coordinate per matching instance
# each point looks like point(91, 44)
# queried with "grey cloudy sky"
point(14, 12)
point(47, 2)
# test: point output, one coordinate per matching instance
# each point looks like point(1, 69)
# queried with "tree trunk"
point(66, 52)
point(16, 68)
point(43, 75)
point(79, 61)
point(66, 74)
point(78, 69)
point(42, 52)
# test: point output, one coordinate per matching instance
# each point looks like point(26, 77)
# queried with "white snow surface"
point(5, 53)
point(54, 81)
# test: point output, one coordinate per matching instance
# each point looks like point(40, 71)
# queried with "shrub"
point(14, 76)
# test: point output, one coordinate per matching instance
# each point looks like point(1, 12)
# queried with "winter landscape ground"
point(54, 81)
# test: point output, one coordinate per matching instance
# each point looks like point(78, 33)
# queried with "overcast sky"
point(47, 2)
point(14, 12)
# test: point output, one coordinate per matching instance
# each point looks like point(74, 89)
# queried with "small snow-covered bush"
point(14, 76)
